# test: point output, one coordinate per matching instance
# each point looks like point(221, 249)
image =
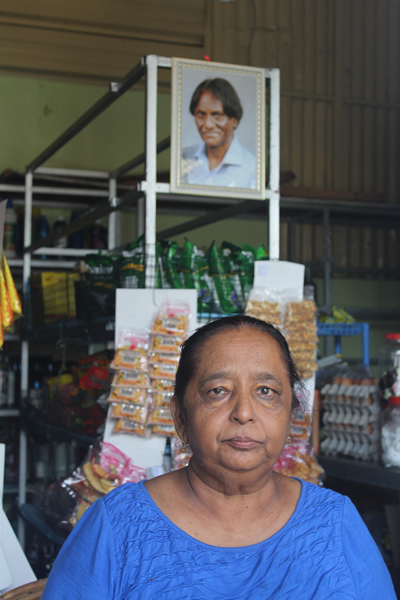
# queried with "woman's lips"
point(243, 443)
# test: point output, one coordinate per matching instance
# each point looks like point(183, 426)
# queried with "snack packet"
point(226, 297)
point(126, 426)
point(15, 301)
point(172, 320)
point(129, 394)
point(130, 411)
point(162, 371)
point(167, 344)
point(133, 379)
point(194, 267)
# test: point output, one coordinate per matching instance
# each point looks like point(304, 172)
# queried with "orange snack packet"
point(6, 311)
point(12, 290)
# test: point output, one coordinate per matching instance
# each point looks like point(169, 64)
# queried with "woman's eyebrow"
point(214, 376)
point(267, 377)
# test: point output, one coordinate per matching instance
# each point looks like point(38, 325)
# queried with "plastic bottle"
point(59, 224)
point(390, 433)
point(99, 236)
point(10, 231)
point(42, 230)
point(167, 456)
point(389, 366)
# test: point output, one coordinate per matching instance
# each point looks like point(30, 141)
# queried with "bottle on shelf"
point(58, 225)
point(42, 230)
point(98, 236)
point(10, 231)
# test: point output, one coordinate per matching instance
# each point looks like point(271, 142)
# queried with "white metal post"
point(274, 200)
point(112, 217)
point(23, 447)
point(151, 169)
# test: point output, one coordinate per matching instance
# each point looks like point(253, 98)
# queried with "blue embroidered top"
point(125, 548)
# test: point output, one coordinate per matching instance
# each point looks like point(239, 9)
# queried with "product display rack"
point(144, 196)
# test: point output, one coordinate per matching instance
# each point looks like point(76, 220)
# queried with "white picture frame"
point(207, 121)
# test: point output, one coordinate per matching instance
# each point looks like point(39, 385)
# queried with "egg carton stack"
point(145, 373)
point(351, 418)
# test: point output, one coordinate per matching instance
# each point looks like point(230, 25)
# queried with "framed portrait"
point(218, 129)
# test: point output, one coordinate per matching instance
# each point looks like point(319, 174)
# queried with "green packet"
point(225, 298)
point(229, 253)
point(131, 270)
point(170, 264)
point(194, 268)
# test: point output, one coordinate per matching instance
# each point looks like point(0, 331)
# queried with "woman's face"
point(215, 127)
point(238, 404)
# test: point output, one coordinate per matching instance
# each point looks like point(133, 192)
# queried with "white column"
point(274, 150)
point(151, 170)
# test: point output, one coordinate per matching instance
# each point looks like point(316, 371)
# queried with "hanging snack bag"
point(162, 371)
point(131, 379)
point(160, 415)
point(231, 266)
point(163, 358)
point(126, 426)
point(165, 430)
point(163, 385)
point(96, 296)
point(6, 310)
point(161, 398)
point(225, 298)
point(194, 267)
point(132, 412)
point(15, 301)
point(170, 264)
point(166, 344)
point(129, 394)
point(131, 270)
point(172, 320)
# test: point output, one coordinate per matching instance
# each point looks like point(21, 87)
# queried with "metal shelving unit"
point(144, 197)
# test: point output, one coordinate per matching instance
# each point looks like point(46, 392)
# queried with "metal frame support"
point(112, 217)
point(23, 445)
point(151, 168)
point(274, 202)
point(327, 272)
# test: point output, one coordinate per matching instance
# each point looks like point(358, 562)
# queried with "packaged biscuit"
point(161, 398)
point(166, 430)
point(162, 385)
point(162, 371)
point(172, 320)
point(166, 343)
point(132, 412)
point(129, 394)
point(163, 358)
point(126, 426)
point(134, 379)
point(132, 340)
point(131, 360)
point(160, 415)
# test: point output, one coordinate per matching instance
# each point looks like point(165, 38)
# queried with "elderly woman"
point(227, 526)
point(220, 159)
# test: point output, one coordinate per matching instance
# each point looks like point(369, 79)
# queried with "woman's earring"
point(289, 441)
point(184, 444)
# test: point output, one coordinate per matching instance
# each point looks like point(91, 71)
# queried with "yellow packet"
point(15, 301)
point(6, 312)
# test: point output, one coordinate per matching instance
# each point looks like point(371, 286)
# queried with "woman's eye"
point(217, 391)
point(265, 391)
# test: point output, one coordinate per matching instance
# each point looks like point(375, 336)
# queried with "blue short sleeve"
point(85, 567)
point(369, 572)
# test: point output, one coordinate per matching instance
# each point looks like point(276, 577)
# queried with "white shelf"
point(9, 412)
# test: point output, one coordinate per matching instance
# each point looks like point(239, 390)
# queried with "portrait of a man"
point(218, 141)
point(219, 159)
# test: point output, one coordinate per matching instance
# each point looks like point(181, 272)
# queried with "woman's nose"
point(243, 408)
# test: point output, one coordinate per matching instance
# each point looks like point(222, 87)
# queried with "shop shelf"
point(337, 330)
point(360, 472)
point(37, 427)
